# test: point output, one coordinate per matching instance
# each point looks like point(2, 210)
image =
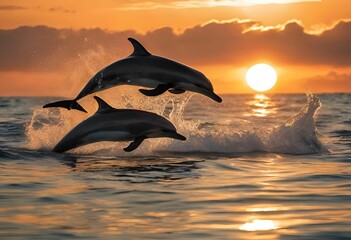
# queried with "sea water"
point(258, 166)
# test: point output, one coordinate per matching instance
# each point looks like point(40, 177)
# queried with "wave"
point(297, 135)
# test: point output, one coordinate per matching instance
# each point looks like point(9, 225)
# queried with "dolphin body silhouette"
point(110, 124)
point(142, 68)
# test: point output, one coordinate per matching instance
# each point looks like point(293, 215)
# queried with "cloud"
point(332, 81)
point(62, 10)
point(204, 3)
point(11, 7)
point(236, 43)
point(53, 9)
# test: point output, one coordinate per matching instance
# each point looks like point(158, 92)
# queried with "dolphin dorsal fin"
point(103, 106)
point(139, 50)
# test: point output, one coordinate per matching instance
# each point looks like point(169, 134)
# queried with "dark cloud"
point(42, 48)
point(11, 7)
point(49, 49)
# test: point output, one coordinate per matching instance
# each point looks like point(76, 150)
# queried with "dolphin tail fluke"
point(68, 104)
point(135, 144)
point(155, 92)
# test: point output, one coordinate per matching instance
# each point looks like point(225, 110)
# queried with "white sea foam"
point(297, 135)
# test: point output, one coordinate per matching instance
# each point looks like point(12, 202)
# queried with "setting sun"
point(261, 77)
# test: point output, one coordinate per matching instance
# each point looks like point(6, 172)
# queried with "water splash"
point(48, 126)
point(297, 135)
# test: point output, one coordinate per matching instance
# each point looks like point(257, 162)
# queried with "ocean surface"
point(273, 166)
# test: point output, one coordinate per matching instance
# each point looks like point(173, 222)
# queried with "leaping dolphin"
point(144, 69)
point(110, 124)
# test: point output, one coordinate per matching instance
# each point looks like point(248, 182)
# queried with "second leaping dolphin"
point(110, 124)
point(144, 69)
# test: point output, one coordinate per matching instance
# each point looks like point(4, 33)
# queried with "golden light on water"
point(261, 106)
point(261, 77)
point(262, 209)
point(259, 225)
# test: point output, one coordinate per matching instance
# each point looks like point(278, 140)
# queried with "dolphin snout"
point(216, 97)
point(211, 95)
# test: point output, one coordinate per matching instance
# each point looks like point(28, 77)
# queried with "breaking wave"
point(297, 135)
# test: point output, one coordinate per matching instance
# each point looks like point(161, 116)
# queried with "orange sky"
point(308, 42)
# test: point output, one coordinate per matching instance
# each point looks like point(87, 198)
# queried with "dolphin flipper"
point(155, 92)
point(68, 104)
point(176, 91)
point(135, 144)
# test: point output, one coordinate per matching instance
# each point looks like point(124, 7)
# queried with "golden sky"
point(53, 47)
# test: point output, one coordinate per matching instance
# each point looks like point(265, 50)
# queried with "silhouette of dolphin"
point(110, 124)
point(142, 68)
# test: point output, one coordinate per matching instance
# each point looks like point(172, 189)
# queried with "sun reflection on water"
point(259, 225)
point(261, 106)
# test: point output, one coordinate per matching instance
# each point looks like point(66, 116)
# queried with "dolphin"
point(110, 124)
point(144, 69)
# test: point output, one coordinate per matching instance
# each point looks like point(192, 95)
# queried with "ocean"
point(256, 166)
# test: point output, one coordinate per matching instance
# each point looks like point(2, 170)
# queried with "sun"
point(261, 77)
